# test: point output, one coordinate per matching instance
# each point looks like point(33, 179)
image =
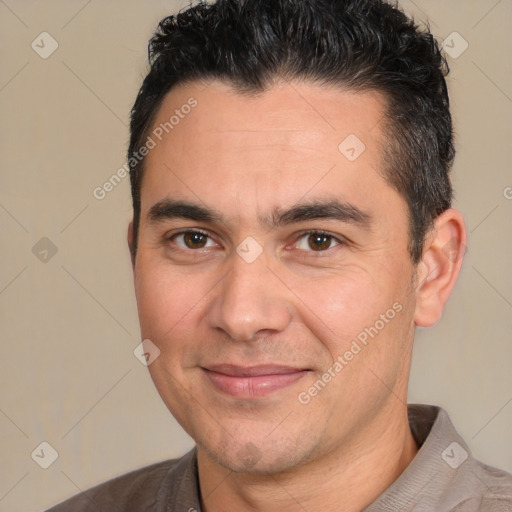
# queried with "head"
point(291, 215)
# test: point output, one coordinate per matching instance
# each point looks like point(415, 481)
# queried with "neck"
point(353, 475)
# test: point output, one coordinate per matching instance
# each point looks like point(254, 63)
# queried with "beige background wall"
point(68, 375)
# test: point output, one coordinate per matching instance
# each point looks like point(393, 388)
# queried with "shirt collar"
point(180, 488)
point(433, 468)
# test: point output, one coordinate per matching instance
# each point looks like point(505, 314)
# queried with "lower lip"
point(251, 387)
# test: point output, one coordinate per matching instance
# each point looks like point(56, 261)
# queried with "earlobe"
point(131, 243)
point(439, 268)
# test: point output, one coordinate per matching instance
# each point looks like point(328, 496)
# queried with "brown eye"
point(316, 241)
point(192, 240)
point(319, 242)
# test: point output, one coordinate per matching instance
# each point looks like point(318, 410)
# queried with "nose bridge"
point(250, 299)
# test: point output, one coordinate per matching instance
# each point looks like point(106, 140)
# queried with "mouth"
point(252, 381)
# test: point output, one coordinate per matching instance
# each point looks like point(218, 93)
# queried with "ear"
point(131, 243)
point(439, 267)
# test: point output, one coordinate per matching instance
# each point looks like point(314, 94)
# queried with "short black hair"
point(358, 45)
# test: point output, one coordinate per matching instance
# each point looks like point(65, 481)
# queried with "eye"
point(316, 241)
point(192, 240)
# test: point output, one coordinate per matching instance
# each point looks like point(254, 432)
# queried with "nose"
point(250, 301)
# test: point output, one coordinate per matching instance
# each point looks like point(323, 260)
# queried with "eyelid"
point(183, 231)
point(338, 238)
point(170, 237)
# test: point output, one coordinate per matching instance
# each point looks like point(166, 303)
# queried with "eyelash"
point(340, 241)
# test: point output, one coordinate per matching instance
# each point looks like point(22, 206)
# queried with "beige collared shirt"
point(443, 477)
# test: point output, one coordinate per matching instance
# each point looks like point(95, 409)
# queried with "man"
point(292, 226)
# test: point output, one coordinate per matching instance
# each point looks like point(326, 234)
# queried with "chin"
point(260, 456)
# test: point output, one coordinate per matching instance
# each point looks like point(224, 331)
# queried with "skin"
point(299, 304)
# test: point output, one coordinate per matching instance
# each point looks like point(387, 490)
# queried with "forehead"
point(273, 147)
point(287, 110)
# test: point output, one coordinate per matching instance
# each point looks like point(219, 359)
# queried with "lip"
point(252, 381)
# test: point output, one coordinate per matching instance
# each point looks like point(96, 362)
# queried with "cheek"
point(351, 304)
point(167, 300)
point(342, 301)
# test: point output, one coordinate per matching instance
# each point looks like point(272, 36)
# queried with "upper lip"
point(252, 371)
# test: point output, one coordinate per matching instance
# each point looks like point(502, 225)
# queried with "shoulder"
point(136, 490)
point(467, 484)
point(495, 487)
point(444, 475)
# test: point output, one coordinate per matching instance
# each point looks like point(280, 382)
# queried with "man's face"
point(278, 254)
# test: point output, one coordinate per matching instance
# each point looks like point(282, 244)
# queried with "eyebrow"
point(169, 209)
point(330, 209)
